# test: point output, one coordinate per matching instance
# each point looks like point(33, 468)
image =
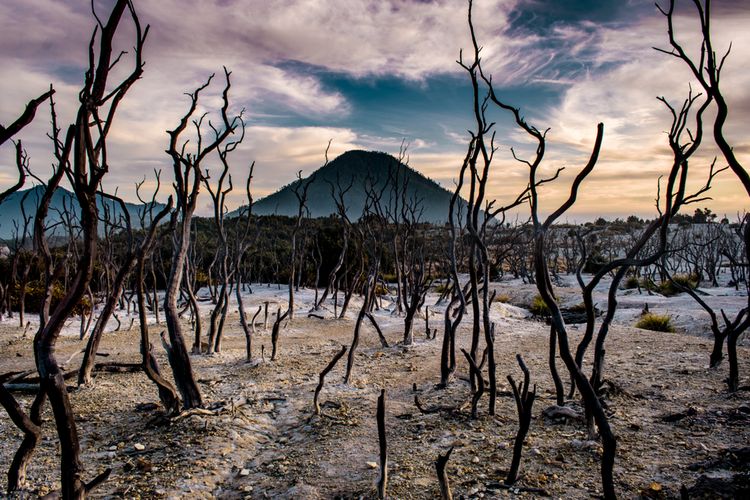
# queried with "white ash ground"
point(273, 447)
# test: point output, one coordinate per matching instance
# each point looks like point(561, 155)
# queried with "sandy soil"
point(273, 446)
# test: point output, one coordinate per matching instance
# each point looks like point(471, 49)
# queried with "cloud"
point(278, 49)
point(620, 87)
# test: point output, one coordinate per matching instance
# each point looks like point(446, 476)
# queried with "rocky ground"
point(676, 425)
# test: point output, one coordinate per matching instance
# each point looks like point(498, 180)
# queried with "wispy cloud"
point(600, 66)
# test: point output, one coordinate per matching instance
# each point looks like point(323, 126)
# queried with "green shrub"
point(656, 322)
point(631, 282)
point(538, 307)
point(668, 288)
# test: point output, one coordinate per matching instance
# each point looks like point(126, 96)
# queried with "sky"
point(373, 74)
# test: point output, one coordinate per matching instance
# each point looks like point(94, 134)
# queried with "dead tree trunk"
point(540, 262)
point(31, 426)
point(383, 479)
point(275, 332)
point(552, 355)
point(218, 196)
point(167, 392)
point(363, 312)
point(6, 133)
point(339, 198)
point(453, 315)
point(188, 177)
point(476, 371)
point(86, 141)
point(322, 376)
point(524, 402)
point(300, 192)
point(708, 73)
point(115, 292)
point(440, 464)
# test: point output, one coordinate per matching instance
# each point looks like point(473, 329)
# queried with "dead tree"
point(479, 212)
point(190, 284)
point(440, 467)
point(652, 243)
point(369, 230)
point(145, 248)
point(300, 189)
point(524, 402)
point(113, 295)
point(455, 311)
point(540, 262)
point(453, 315)
point(276, 330)
point(322, 376)
point(475, 371)
point(6, 133)
point(30, 425)
point(383, 445)
point(241, 246)
point(418, 285)
point(85, 142)
point(338, 194)
point(22, 258)
point(394, 211)
point(707, 71)
point(218, 197)
point(675, 197)
point(188, 177)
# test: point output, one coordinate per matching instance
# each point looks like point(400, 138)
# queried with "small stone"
point(144, 465)
point(372, 465)
point(139, 447)
point(245, 472)
point(475, 460)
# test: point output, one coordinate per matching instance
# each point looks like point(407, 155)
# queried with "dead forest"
point(153, 353)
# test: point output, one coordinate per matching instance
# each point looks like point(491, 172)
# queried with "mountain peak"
point(365, 169)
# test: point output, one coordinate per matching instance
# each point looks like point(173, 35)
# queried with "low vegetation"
point(656, 323)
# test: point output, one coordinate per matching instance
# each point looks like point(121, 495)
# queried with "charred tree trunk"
point(559, 389)
point(383, 479)
point(188, 177)
point(322, 376)
point(30, 425)
point(524, 402)
point(440, 464)
point(275, 332)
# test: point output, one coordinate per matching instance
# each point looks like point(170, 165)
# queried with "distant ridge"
point(10, 210)
point(365, 168)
